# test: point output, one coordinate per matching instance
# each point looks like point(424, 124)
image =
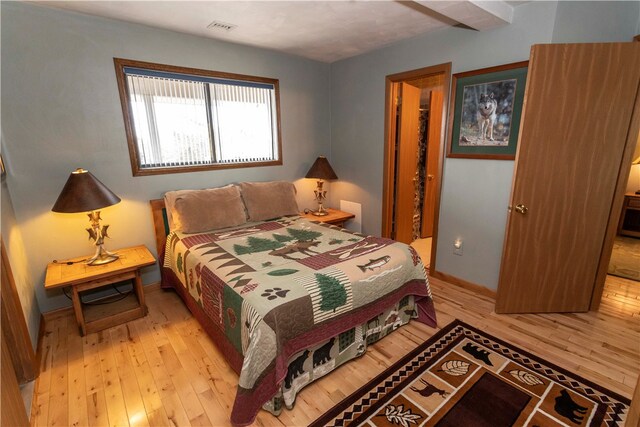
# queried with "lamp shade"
point(83, 192)
point(321, 169)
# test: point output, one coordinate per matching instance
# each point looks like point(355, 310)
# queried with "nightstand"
point(629, 224)
point(82, 277)
point(335, 217)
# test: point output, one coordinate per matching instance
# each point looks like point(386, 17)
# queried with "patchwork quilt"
point(272, 290)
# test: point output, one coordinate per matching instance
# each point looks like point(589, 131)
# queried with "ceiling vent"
point(221, 26)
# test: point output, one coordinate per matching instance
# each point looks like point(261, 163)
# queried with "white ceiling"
point(322, 30)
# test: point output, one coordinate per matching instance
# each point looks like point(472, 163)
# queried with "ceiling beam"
point(477, 14)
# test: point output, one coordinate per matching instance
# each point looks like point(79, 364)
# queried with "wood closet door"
point(14, 326)
point(407, 163)
point(431, 183)
point(13, 411)
point(576, 121)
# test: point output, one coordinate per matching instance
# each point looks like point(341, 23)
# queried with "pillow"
point(169, 203)
point(268, 200)
point(196, 211)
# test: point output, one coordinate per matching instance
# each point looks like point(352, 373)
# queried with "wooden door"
point(431, 185)
point(576, 118)
point(13, 411)
point(406, 158)
point(14, 326)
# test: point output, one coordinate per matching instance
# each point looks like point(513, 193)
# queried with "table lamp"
point(321, 170)
point(83, 192)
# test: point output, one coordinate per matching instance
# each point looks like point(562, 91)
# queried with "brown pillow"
point(268, 200)
point(170, 202)
point(202, 210)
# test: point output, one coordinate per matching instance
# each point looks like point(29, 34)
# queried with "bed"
point(287, 300)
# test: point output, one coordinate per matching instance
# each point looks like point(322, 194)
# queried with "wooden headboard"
point(160, 224)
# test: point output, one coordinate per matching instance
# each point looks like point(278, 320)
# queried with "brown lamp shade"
point(83, 192)
point(321, 169)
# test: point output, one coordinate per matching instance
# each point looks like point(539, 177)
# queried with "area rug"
point(463, 377)
point(625, 258)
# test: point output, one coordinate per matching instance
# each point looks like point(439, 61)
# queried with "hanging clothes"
point(420, 176)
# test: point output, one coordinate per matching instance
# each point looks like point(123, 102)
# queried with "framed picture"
point(485, 115)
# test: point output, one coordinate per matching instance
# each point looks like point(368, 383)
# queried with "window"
point(183, 119)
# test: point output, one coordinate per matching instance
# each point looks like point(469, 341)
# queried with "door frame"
point(388, 191)
point(14, 326)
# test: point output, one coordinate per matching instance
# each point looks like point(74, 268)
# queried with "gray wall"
point(61, 110)
point(596, 21)
point(475, 193)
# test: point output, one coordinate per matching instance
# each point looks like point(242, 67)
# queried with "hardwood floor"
point(163, 370)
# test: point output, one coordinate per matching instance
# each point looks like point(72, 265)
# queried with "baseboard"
point(57, 313)
point(474, 287)
point(28, 393)
point(152, 287)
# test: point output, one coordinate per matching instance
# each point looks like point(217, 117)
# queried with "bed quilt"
point(275, 288)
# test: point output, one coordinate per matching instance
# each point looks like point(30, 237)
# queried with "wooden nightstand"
point(629, 224)
point(335, 217)
point(82, 277)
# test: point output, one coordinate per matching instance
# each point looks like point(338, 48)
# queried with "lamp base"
point(102, 256)
point(320, 213)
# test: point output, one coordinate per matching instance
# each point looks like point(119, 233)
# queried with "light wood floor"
point(163, 370)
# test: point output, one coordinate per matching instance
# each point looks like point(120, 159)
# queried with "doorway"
point(415, 120)
point(625, 256)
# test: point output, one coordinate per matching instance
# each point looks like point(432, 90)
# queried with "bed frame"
point(160, 224)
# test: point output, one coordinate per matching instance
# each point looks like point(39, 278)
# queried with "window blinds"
point(183, 120)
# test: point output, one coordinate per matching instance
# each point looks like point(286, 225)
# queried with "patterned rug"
point(625, 258)
point(463, 377)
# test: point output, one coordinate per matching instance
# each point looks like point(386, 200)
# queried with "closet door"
point(431, 183)
point(13, 411)
point(407, 163)
point(576, 125)
point(14, 326)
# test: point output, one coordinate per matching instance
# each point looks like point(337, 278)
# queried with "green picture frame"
point(484, 117)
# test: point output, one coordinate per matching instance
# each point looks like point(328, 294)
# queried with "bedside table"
point(335, 217)
point(82, 277)
point(629, 224)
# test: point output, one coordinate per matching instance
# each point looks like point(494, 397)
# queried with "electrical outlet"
point(457, 247)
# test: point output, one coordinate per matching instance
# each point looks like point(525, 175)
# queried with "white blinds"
point(244, 128)
point(171, 121)
point(183, 122)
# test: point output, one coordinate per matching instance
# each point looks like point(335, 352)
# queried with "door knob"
point(430, 177)
point(521, 209)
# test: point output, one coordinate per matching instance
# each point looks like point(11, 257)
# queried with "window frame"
point(127, 113)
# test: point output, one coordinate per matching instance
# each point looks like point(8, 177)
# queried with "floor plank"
point(59, 393)
point(163, 370)
point(78, 415)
